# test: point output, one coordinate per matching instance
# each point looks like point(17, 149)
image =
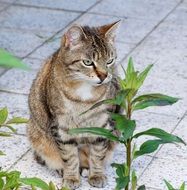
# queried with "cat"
point(79, 74)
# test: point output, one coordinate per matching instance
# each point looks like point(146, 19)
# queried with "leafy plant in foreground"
point(170, 187)
point(7, 123)
point(128, 99)
point(13, 181)
point(8, 61)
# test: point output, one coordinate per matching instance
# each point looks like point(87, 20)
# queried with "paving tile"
point(177, 151)
point(14, 147)
point(122, 50)
point(8, 1)
point(30, 168)
point(36, 19)
point(178, 17)
point(18, 81)
point(145, 121)
point(47, 49)
point(17, 106)
point(2, 70)
point(130, 30)
point(149, 10)
point(78, 5)
point(3, 6)
point(173, 170)
point(17, 42)
point(34, 63)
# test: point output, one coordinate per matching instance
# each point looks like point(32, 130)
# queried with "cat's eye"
point(110, 61)
point(88, 62)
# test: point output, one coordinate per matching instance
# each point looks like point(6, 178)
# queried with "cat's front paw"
point(98, 180)
point(72, 183)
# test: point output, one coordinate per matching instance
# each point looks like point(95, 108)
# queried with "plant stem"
point(128, 147)
point(128, 159)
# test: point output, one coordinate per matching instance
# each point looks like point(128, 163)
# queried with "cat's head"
point(89, 53)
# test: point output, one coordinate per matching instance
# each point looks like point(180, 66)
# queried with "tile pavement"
point(152, 31)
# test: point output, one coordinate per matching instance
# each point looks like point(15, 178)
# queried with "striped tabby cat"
point(79, 74)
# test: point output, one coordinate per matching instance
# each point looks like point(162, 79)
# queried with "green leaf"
point(148, 100)
point(96, 131)
point(161, 134)
point(51, 186)
point(65, 188)
point(182, 187)
point(130, 67)
point(8, 60)
point(142, 187)
point(134, 180)
point(124, 125)
point(121, 182)
point(10, 127)
point(3, 115)
point(12, 180)
point(17, 120)
point(148, 147)
point(2, 153)
point(169, 186)
point(120, 169)
point(5, 134)
point(1, 183)
point(118, 100)
point(33, 187)
point(142, 76)
point(35, 182)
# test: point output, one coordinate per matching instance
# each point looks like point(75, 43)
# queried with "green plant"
point(7, 123)
point(170, 187)
point(128, 99)
point(13, 181)
point(8, 61)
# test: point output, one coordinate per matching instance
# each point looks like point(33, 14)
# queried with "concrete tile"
point(170, 169)
point(177, 151)
point(47, 49)
point(18, 81)
point(78, 5)
point(17, 42)
point(34, 63)
point(36, 19)
point(130, 31)
point(8, 1)
point(14, 147)
point(122, 50)
point(178, 16)
point(149, 10)
point(30, 168)
point(3, 6)
point(17, 106)
point(2, 70)
point(145, 121)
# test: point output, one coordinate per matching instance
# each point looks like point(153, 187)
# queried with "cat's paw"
point(72, 183)
point(97, 180)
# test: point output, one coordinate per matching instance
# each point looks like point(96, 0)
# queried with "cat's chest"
point(84, 92)
point(72, 115)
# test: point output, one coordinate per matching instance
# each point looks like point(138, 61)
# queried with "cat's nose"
point(102, 76)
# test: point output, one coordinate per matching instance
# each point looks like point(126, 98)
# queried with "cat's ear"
point(73, 37)
point(109, 31)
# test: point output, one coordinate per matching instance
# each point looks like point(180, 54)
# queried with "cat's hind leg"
point(45, 149)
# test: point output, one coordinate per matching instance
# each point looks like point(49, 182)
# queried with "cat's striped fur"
point(55, 102)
